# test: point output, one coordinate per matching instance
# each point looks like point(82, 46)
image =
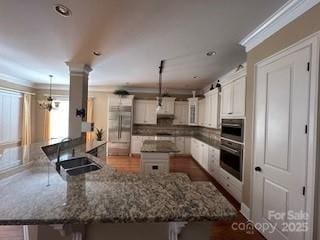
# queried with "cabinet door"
point(201, 112)
point(227, 99)
point(178, 114)
point(187, 145)
point(239, 89)
point(139, 112)
point(214, 107)
point(208, 112)
point(170, 106)
point(150, 112)
point(184, 115)
point(203, 155)
point(180, 145)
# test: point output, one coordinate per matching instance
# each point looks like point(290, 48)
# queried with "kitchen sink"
point(77, 166)
point(81, 170)
point(75, 162)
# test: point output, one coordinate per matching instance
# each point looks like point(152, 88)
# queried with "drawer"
point(155, 167)
point(234, 191)
point(230, 179)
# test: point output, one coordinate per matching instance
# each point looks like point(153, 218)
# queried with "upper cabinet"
point(167, 106)
point(233, 93)
point(144, 112)
point(202, 112)
point(193, 111)
point(180, 113)
point(212, 109)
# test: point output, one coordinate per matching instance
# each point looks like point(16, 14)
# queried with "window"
point(10, 117)
point(59, 120)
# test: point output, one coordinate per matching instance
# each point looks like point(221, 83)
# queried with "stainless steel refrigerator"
point(119, 135)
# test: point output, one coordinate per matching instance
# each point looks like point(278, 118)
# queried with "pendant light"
point(49, 104)
point(160, 85)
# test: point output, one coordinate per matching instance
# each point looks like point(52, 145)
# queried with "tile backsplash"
point(166, 126)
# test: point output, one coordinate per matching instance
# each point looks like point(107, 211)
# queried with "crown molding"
point(15, 80)
point(283, 16)
point(78, 69)
point(111, 89)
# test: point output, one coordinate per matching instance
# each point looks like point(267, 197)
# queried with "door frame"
point(314, 42)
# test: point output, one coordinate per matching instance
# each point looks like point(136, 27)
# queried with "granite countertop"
point(16, 158)
point(159, 146)
point(105, 196)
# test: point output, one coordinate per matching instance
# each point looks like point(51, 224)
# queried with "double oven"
point(231, 148)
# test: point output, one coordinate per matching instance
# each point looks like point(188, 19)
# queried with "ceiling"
point(132, 35)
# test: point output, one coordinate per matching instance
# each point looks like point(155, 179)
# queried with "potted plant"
point(99, 134)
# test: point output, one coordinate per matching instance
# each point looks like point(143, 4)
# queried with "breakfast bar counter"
point(39, 195)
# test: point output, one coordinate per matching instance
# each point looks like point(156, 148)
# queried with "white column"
point(78, 96)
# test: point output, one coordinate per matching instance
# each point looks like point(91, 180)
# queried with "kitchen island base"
point(121, 231)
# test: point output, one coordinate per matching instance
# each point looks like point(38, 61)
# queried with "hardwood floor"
point(221, 230)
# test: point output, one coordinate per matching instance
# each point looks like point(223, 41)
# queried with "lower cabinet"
point(209, 159)
point(231, 184)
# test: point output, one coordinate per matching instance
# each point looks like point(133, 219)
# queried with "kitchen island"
point(155, 155)
point(107, 203)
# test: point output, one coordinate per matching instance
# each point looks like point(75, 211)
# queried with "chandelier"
point(49, 103)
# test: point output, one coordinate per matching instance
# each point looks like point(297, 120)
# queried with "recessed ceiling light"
point(62, 10)
point(96, 53)
point(196, 77)
point(211, 53)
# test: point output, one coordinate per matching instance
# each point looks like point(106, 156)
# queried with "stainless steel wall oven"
point(231, 158)
point(233, 129)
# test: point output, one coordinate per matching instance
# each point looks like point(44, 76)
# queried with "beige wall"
point(100, 112)
point(302, 27)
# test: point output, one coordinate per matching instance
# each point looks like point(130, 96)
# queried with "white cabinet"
point(180, 145)
point(167, 106)
point(202, 112)
point(193, 111)
point(195, 148)
point(226, 99)
point(231, 184)
point(212, 109)
point(199, 152)
point(180, 113)
point(187, 145)
point(144, 112)
point(183, 144)
point(203, 155)
point(239, 91)
point(233, 98)
point(213, 162)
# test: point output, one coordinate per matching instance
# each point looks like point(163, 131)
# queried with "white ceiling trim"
point(15, 80)
point(283, 16)
point(108, 89)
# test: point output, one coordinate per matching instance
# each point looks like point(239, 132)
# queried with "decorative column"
point(78, 97)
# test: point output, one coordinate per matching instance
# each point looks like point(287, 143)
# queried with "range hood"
point(165, 116)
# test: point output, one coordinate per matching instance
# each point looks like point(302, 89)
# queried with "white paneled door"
point(280, 155)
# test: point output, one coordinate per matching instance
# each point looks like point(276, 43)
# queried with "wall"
point(302, 27)
point(100, 112)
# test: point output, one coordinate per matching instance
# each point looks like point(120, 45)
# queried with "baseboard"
point(245, 211)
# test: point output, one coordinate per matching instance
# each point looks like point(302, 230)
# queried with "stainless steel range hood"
point(165, 116)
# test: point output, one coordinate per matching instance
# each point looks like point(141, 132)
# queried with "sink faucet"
point(59, 151)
